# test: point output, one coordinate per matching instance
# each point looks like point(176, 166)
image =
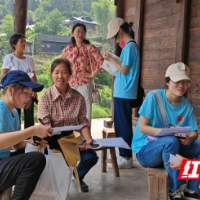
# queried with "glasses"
point(80, 32)
point(28, 95)
point(183, 83)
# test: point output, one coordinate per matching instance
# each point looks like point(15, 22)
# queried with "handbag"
point(95, 93)
point(55, 180)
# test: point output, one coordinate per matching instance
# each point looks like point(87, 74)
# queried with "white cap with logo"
point(178, 71)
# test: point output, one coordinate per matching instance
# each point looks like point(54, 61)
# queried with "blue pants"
point(89, 158)
point(123, 123)
point(158, 151)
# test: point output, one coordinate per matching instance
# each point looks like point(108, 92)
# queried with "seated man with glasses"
point(179, 112)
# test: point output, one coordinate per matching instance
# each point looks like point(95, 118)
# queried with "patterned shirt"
point(55, 111)
point(79, 60)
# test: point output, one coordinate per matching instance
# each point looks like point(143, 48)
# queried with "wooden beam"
point(139, 13)
point(181, 31)
point(119, 13)
point(20, 16)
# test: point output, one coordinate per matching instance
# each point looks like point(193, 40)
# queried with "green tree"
point(33, 4)
point(7, 25)
point(103, 11)
point(87, 5)
point(78, 5)
point(54, 21)
point(104, 78)
point(4, 11)
point(41, 12)
point(10, 5)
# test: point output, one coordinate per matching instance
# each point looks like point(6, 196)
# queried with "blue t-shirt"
point(182, 115)
point(8, 123)
point(125, 86)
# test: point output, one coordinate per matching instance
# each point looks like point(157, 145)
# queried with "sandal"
point(84, 186)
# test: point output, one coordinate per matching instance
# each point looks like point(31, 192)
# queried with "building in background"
point(53, 44)
point(84, 20)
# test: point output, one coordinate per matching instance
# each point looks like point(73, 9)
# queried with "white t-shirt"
point(11, 62)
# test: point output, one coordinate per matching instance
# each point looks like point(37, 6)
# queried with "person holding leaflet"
point(23, 170)
point(125, 86)
point(61, 105)
point(179, 112)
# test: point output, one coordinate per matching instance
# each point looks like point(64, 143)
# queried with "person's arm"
point(97, 58)
point(12, 138)
point(34, 77)
point(4, 72)
point(122, 69)
point(146, 129)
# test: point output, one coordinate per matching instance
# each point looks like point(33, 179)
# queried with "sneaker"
point(191, 195)
point(177, 195)
point(123, 163)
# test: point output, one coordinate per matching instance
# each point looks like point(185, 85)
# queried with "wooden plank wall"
point(193, 58)
point(163, 42)
point(129, 11)
point(159, 41)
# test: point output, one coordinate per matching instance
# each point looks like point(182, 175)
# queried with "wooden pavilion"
point(166, 31)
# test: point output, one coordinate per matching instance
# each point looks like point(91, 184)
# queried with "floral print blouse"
point(79, 60)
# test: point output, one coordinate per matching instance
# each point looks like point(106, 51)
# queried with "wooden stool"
point(157, 184)
point(113, 160)
point(109, 133)
point(6, 194)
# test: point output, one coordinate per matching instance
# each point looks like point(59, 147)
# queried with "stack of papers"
point(109, 67)
point(173, 159)
point(58, 130)
point(112, 142)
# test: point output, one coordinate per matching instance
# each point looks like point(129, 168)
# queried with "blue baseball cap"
point(17, 76)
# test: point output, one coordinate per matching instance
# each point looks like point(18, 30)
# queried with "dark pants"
point(23, 171)
point(89, 158)
point(28, 115)
point(123, 123)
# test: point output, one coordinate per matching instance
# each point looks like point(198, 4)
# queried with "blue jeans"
point(158, 151)
point(89, 158)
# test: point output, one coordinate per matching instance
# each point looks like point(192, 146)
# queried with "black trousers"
point(23, 171)
point(28, 115)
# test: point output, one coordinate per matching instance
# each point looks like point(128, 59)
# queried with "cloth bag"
point(71, 152)
point(55, 180)
point(95, 93)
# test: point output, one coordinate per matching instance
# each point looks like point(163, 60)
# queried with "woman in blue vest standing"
point(125, 86)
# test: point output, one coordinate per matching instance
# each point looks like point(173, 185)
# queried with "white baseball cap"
point(178, 71)
point(114, 26)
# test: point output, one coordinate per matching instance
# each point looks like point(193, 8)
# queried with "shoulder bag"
point(95, 93)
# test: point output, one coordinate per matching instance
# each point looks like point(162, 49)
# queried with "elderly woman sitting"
point(61, 105)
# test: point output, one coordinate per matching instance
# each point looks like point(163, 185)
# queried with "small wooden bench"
point(157, 184)
point(109, 133)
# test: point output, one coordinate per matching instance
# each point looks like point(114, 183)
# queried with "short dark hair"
point(167, 79)
point(127, 28)
point(61, 60)
point(15, 38)
point(73, 41)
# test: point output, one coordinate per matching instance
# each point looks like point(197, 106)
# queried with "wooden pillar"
point(181, 31)
point(20, 16)
point(139, 13)
point(119, 13)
